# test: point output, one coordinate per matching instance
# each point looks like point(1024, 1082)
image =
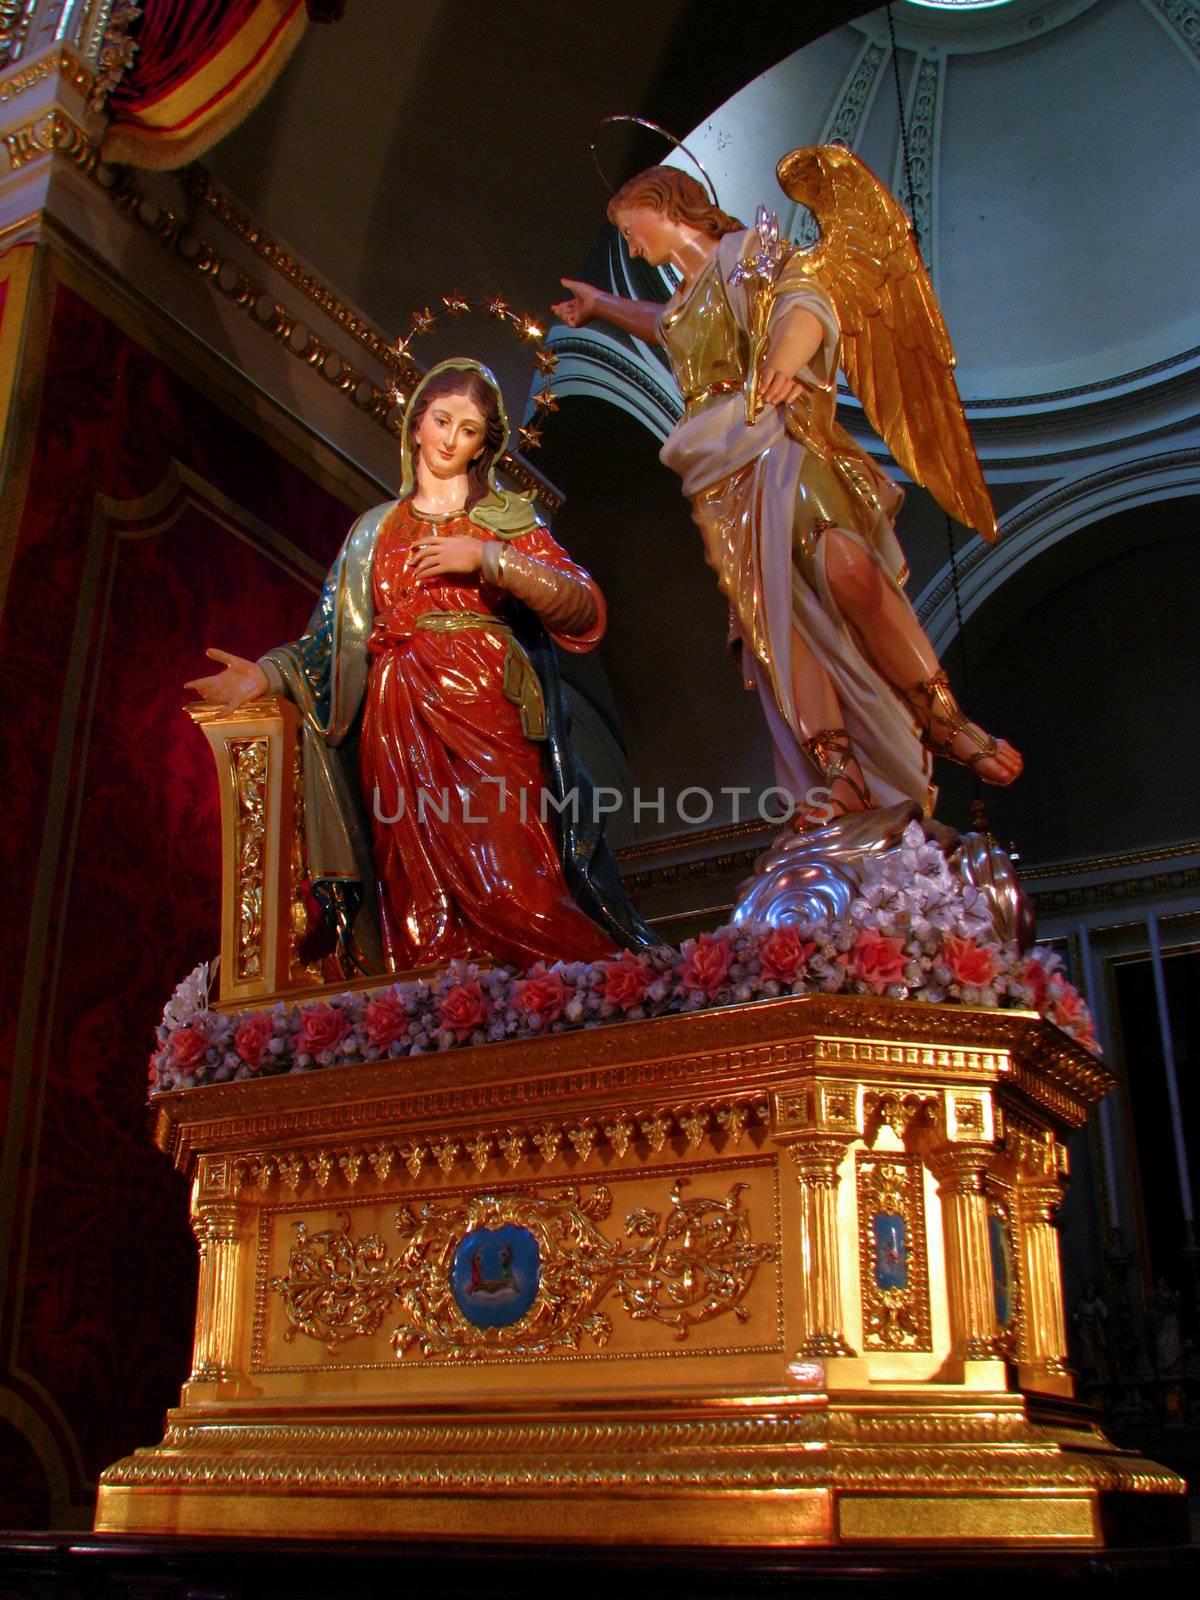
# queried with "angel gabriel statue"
point(797, 520)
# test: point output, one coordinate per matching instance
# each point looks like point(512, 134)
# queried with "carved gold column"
point(1043, 1342)
point(818, 1158)
point(255, 751)
point(961, 1174)
point(221, 1224)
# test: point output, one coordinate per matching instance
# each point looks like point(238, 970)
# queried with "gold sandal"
point(829, 751)
point(933, 705)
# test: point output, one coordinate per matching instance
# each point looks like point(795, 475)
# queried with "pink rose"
point(188, 1045)
point(1067, 1008)
point(784, 954)
point(386, 1019)
point(625, 982)
point(877, 960)
point(969, 963)
point(322, 1027)
point(706, 963)
point(543, 995)
point(1034, 975)
point(463, 1009)
point(252, 1038)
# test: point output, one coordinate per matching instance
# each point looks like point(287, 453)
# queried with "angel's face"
point(647, 233)
point(450, 435)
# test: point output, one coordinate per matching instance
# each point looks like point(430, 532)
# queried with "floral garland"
point(915, 932)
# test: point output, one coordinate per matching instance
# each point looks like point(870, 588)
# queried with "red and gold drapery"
point(200, 66)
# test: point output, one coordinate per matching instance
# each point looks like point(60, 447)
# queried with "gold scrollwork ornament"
point(336, 1287)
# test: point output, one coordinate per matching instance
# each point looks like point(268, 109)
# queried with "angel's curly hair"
point(676, 195)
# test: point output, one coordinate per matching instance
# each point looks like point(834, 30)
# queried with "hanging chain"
point(912, 217)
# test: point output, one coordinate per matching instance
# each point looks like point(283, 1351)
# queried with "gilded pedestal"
point(782, 1273)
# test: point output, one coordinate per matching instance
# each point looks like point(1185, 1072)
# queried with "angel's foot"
point(947, 732)
point(829, 751)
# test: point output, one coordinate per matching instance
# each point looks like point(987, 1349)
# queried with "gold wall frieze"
point(60, 62)
point(549, 1265)
point(620, 1134)
point(53, 134)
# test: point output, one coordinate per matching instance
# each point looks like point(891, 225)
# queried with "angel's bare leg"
point(889, 632)
point(822, 726)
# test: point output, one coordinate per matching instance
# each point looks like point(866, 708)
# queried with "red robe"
point(465, 866)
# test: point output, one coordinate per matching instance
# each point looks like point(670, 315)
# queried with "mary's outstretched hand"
point(240, 680)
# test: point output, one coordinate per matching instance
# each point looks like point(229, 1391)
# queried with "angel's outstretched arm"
point(638, 317)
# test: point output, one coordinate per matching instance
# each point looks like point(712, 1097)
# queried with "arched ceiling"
point(1053, 147)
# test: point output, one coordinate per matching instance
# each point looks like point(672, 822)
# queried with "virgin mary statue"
point(445, 814)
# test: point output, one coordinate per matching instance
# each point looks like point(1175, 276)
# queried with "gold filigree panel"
point(893, 1253)
point(248, 759)
point(653, 1263)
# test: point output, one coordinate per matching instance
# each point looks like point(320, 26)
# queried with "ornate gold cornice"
point(59, 61)
point(403, 368)
point(201, 187)
point(53, 133)
point(1120, 891)
point(1090, 864)
point(57, 134)
point(721, 864)
point(701, 839)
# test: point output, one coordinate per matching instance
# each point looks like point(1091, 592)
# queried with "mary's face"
point(450, 435)
point(647, 233)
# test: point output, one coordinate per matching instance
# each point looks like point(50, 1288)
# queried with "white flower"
point(189, 999)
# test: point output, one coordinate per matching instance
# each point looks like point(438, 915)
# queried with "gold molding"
point(63, 62)
point(15, 18)
point(199, 186)
point(724, 863)
point(644, 1131)
point(700, 839)
point(53, 133)
point(405, 370)
point(1131, 858)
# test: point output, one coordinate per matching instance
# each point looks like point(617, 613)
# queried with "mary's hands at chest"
point(435, 556)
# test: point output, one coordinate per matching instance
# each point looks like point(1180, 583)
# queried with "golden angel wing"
point(896, 352)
